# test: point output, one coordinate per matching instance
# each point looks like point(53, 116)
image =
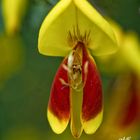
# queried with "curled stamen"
point(65, 67)
point(64, 83)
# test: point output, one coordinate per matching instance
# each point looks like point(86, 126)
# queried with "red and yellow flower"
point(73, 29)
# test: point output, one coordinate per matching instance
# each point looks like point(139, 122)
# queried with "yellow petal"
point(102, 37)
point(13, 12)
point(54, 30)
point(117, 30)
point(92, 125)
point(131, 51)
point(67, 15)
point(58, 126)
point(128, 53)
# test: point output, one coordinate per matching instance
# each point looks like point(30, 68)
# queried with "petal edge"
point(92, 125)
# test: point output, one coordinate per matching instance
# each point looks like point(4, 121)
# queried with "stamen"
point(64, 83)
point(66, 68)
point(75, 36)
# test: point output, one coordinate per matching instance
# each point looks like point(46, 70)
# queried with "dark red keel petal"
point(59, 104)
point(92, 107)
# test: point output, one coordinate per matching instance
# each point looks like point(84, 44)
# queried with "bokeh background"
point(26, 76)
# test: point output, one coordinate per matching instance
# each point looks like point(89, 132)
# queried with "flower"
point(72, 29)
point(123, 108)
point(13, 13)
point(77, 94)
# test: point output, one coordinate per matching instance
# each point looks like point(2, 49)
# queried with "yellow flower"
point(13, 13)
point(74, 27)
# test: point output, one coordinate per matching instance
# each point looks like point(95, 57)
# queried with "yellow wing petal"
point(64, 17)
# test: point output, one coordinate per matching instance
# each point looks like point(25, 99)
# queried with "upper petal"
point(54, 30)
point(102, 38)
point(67, 14)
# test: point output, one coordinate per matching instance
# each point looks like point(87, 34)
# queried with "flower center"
point(74, 68)
point(74, 63)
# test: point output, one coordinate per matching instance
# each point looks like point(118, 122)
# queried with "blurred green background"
point(26, 76)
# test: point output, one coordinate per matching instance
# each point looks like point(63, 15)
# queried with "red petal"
point(59, 104)
point(92, 101)
point(131, 109)
point(92, 98)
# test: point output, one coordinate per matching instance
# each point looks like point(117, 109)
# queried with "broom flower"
point(73, 29)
